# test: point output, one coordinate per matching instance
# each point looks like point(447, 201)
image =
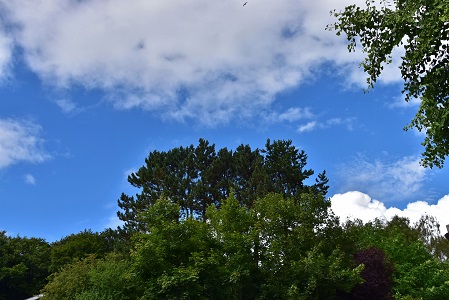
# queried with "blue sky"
point(89, 88)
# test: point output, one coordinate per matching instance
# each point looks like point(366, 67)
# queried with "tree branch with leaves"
point(422, 28)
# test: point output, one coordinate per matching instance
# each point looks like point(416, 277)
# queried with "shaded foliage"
point(23, 266)
point(377, 273)
point(75, 247)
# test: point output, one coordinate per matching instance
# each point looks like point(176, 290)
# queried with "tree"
point(164, 255)
point(299, 259)
point(377, 275)
point(196, 177)
point(94, 278)
point(277, 249)
point(75, 247)
point(236, 255)
point(250, 178)
point(417, 274)
point(285, 167)
point(422, 28)
point(23, 266)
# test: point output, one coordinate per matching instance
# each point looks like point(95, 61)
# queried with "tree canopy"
point(422, 28)
point(196, 177)
point(248, 226)
point(281, 247)
point(23, 266)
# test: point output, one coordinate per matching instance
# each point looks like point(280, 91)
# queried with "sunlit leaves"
point(422, 28)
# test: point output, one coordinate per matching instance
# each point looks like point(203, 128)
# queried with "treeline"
point(243, 224)
point(27, 263)
point(197, 177)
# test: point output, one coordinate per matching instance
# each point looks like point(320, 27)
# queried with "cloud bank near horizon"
point(357, 205)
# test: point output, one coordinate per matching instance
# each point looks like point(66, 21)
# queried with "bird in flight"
point(245, 3)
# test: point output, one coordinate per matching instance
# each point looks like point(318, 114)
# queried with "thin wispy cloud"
point(292, 114)
point(6, 45)
point(113, 222)
point(185, 60)
point(20, 141)
point(330, 123)
point(388, 180)
point(399, 102)
point(66, 105)
point(309, 126)
point(30, 179)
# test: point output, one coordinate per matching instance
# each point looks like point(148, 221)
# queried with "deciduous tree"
point(421, 27)
point(24, 266)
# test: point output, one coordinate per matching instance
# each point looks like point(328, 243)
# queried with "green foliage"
point(235, 255)
point(422, 28)
point(70, 281)
point(274, 250)
point(77, 246)
point(23, 266)
point(96, 279)
point(244, 226)
point(285, 165)
point(297, 261)
point(418, 274)
point(162, 257)
point(197, 177)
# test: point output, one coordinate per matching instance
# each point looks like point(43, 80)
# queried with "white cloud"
point(307, 127)
point(20, 141)
point(211, 61)
point(312, 125)
point(396, 180)
point(358, 205)
point(399, 102)
point(290, 115)
point(30, 179)
point(391, 72)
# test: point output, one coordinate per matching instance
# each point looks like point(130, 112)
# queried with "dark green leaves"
point(197, 177)
point(23, 266)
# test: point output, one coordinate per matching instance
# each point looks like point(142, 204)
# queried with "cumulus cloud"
point(394, 180)
point(357, 205)
point(184, 59)
point(20, 141)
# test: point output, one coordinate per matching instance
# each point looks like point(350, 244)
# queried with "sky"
point(89, 87)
